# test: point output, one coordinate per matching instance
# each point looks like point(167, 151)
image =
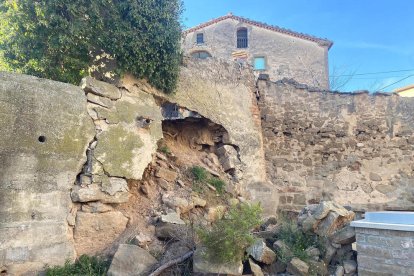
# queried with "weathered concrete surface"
point(355, 149)
point(225, 94)
point(45, 132)
point(94, 232)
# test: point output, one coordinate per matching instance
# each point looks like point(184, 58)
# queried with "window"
point(201, 54)
point(242, 38)
point(259, 63)
point(200, 38)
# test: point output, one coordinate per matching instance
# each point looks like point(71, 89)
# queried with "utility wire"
point(396, 82)
point(385, 72)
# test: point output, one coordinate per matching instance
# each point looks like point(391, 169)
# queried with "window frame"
point(242, 40)
point(202, 38)
point(264, 62)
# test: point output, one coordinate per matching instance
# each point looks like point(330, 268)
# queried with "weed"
point(217, 183)
point(164, 149)
point(199, 173)
point(229, 237)
point(296, 241)
point(85, 265)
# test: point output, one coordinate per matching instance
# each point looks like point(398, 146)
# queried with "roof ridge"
point(320, 41)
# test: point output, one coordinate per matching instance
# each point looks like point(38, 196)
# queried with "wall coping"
point(399, 221)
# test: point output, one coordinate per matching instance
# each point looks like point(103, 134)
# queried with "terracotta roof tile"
point(320, 41)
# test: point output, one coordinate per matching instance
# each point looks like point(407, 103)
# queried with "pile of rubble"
point(327, 222)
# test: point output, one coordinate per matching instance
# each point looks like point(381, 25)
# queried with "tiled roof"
point(320, 41)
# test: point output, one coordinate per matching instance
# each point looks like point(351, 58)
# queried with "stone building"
point(272, 50)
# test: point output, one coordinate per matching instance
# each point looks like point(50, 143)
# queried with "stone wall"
point(225, 94)
point(45, 131)
point(353, 148)
point(384, 252)
point(286, 56)
point(65, 154)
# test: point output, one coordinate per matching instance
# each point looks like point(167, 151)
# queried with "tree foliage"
point(55, 38)
point(229, 237)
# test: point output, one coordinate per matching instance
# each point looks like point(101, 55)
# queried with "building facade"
point(272, 50)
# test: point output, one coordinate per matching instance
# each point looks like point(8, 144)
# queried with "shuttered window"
point(200, 38)
point(242, 41)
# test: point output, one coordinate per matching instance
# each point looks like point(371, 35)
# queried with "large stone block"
point(94, 232)
point(45, 133)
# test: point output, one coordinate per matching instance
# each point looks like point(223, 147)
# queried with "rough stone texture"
point(36, 176)
point(285, 55)
point(202, 265)
point(353, 148)
point(255, 268)
point(94, 193)
point(131, 260)
point(94, 232)
point(124, 147)
point(225, 94)
point(297, 267)
point(385, 252)
point(260, 252)
point(345, 235)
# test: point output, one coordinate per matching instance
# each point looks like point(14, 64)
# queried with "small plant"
point(199, 173)
point(296, 241)
point(229, 237)
point(85, 265)
point(217, 183)
point(164, 149)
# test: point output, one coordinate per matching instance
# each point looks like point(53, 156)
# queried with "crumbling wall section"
point(354, 148)
point(225, 93)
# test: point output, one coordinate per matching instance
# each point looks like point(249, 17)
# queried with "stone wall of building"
point(286, 56)
point(353, 148)
point(384, 252)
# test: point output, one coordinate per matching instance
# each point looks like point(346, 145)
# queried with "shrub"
point(54, 38)
point(217, 183)
point(199, 173)
point(297, 242)
point(165, 150)
point(85, 265)
point(229, 237)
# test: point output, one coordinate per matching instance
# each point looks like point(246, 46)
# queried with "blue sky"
point(369, 36)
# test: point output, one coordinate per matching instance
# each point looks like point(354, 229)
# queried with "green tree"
point(55, 38)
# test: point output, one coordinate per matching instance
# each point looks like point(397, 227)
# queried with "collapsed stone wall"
point(72, 158)
point(354, 148)
point(225, 93)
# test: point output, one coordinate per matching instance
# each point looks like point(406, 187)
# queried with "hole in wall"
point(41, 139)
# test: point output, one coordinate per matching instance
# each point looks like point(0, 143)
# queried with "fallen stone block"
point(297, 267)
point(255, 268)
point(172, 231)
point(166, 174)
point(100, 88)
point(345, 235)
point(131, 260)
point(172, 218)
point(261, 253)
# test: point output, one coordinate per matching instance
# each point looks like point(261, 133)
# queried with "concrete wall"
point(36, 174)
point(384, 252)
point(355, 149)
point(286, 56)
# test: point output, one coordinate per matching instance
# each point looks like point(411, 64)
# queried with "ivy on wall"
point(55, 38)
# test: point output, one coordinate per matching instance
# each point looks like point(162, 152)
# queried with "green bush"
point(217, 183)
point(54, 38)
point(297, 242)
point(85, 266)
point(199, 173)
point(229, 237)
